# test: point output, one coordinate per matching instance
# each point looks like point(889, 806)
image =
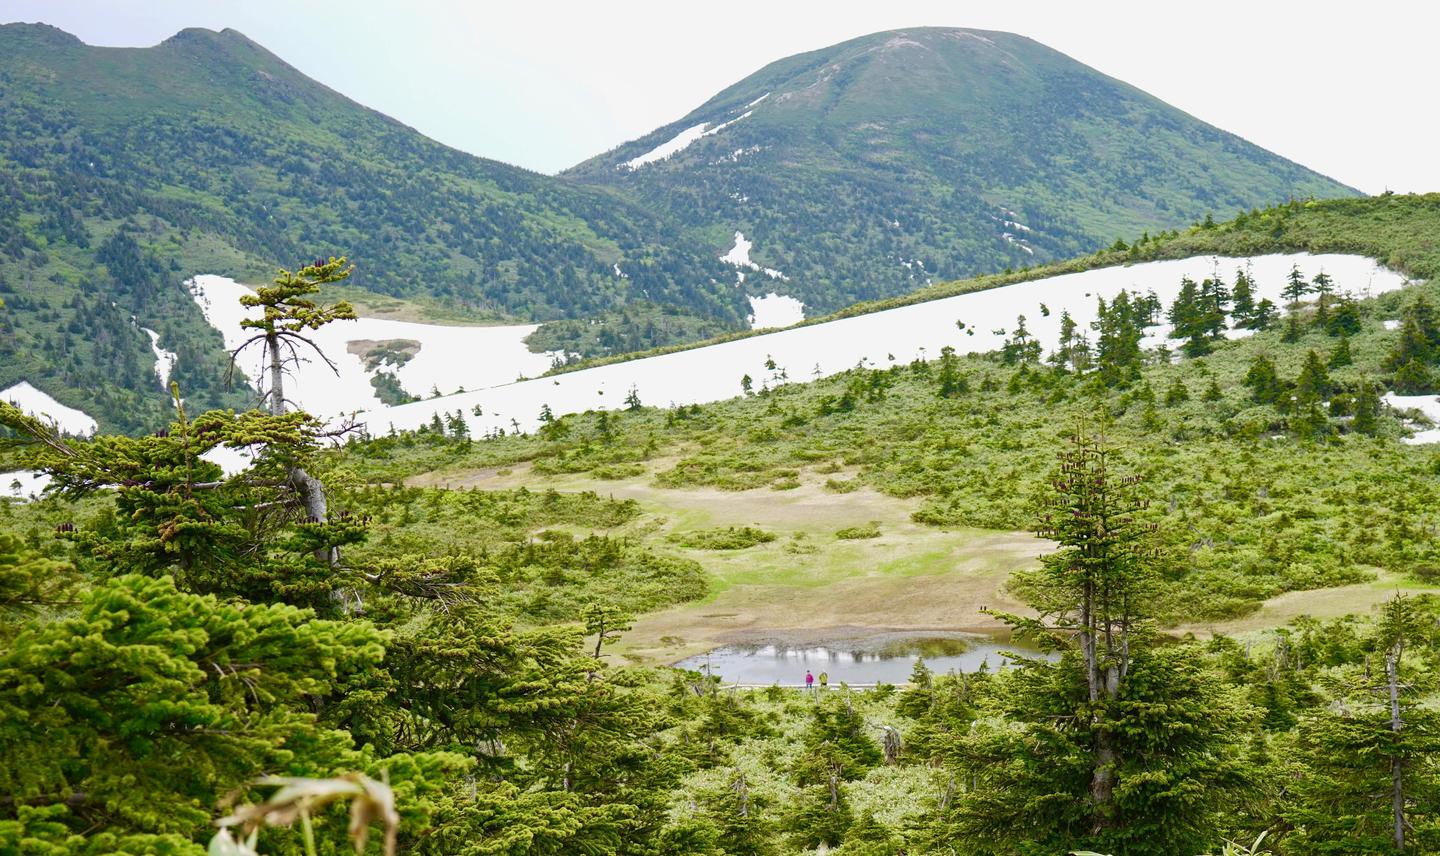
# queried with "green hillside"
point(124, 170)
point(490, 645)
point(877, 165)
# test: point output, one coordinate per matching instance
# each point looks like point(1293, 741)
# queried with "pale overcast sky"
point(1345, 88)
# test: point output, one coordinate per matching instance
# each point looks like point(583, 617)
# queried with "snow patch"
point(449, 358)
point(757, 101)
point(1017, 242)
point(620, 273)
point(1392, 324)
point(678, 143)
point(775, 310)
point(1426, 404)
point(164, 360)
point(712, 373)
point(36, 403)
point(739, 256)
point(736, 155)
point(23, 484)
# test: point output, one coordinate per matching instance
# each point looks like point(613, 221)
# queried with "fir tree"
point(1243, 297)
point(1085, 755)
point(1263, 381)
point(1340, 357)
point(1177, 393)
point(1365, 783)
point(1295, 288)
point(1367, 410)
point(1118, 355)
point(1314, 381)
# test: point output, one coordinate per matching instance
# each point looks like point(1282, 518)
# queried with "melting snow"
point(1426, 404)
point(36, 403)
point(1392, 324)
point(757, 101)
point(1021, 244)
point(620, 273)
point(164, 360)
point(739, 256)
point(23, 484)
point(678, 143)
point(713, 372)
point(450, 358)
point(775, 310)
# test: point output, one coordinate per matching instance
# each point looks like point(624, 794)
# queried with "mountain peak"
point(205, 36)
point(935, 153)
point(38, 33)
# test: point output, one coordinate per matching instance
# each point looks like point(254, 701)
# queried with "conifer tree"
point(1121, 744)
point(1243, 298)
point(1295, 288)
point(1117, 343)
point(1177, 393)
point(1367, 783)
point(1340, 357)
point(1313, 385)
point(1263, 381)
point(288, 313)
point(1021, 348)
point(1367, 410)
point(1265, 315)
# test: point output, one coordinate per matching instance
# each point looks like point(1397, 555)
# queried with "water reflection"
point(891, 660)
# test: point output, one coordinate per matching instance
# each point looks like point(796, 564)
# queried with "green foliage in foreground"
point(129, 709)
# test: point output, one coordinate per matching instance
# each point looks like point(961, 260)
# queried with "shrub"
point(857, 533)
point(729, 538)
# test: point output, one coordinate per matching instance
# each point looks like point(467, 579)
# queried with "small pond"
point(890, 659)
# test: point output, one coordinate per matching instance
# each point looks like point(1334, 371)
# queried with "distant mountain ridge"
point(125, 170)
point(858, 171)
point(862, 169)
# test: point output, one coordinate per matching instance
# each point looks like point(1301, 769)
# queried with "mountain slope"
point(124, 170)
point(865, 169)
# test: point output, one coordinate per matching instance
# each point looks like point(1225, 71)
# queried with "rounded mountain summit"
point(863, 169)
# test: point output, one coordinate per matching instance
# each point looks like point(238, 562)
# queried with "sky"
point(1341, 87)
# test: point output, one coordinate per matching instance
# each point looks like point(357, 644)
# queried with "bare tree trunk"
point(277, 377)
point(1397, 779)
point(310, 489)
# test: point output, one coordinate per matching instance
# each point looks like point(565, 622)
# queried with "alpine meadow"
point(929, 445)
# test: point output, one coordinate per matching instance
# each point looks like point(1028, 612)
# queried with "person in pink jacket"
point(809, 680)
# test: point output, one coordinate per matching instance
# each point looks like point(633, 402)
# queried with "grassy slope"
point(1249, 511)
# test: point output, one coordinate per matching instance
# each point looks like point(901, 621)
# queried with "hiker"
point(809, 680)
point(824, 679)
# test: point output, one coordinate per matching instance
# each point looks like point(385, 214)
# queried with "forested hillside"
point(1238, 589)
point(123, 171)
point(873, 167)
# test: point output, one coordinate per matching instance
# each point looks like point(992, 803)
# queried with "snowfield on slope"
point(37, 403)
point(449, 358)
point(775, 310)
point(879, 339)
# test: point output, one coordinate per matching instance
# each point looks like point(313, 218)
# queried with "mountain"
point(123, 171)
point(859, 171)
point(868, 168)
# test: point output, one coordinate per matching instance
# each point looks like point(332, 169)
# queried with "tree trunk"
point(1102, 780)
point(1397, 779)
point(310, 489)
